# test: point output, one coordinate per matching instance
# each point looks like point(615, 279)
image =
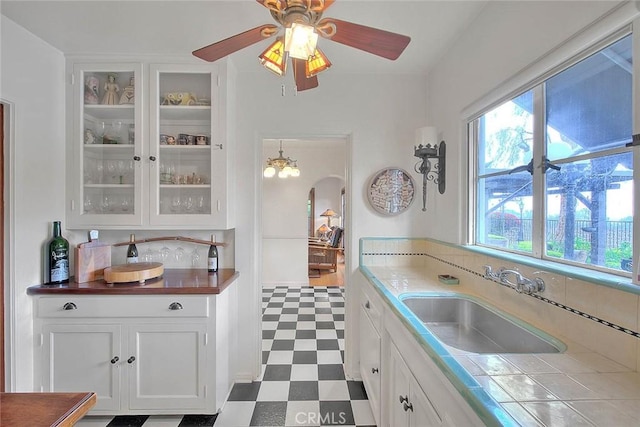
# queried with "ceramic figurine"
point(128, 93)
point(89, 137)
point(111, 90)
point(91, 90)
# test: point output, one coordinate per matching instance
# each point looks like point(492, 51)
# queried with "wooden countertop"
point(173, 281)
point(44, 409)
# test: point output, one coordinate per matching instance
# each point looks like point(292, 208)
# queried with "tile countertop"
point(574, 388)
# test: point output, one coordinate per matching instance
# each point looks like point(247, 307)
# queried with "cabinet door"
point(421, 411)
point(409, 405)
point(106, 178)
point(370, 362)
point(83, 358)
point(399, 379)
point(184, 147)
point(167, 366)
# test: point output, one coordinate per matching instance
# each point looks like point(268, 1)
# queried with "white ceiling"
point(180, 26)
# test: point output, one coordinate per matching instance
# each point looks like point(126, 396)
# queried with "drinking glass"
point(111, 171)
point(179, 254)
point(101, 130)
point(188, 204)
point(176, 204)
point(195, 258)
point(88, 204)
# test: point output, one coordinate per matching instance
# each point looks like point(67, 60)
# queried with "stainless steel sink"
point(467, 325)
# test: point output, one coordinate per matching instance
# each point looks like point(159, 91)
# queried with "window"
point(553, 177)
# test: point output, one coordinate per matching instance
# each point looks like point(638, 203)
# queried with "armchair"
point(324, 255)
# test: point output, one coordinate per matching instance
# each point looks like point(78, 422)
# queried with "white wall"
point(32, 81)
point(377, 113)
point(505, 38)
point(284, 206)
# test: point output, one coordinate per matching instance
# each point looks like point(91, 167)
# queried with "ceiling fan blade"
point(321, 5)
point(373, 40)
point(225, 47)
point(299, 74)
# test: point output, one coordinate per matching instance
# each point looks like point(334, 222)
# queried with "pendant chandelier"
point(285, 166)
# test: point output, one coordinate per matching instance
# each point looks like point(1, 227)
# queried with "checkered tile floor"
point(303, 381)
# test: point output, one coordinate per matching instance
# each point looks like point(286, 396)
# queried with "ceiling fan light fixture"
point(274, 58)
point(300, 40)
point(316, 63)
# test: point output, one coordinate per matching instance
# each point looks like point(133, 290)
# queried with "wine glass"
point(98, 172)
point(111, 171)
point(200, 205)
point(188, 204)
point(195, 257)
point(88, 204)
point(164, 254)
point(179, 254)
point(176, 204)
point(101, 130)
point(106, 204)
point(116, 130)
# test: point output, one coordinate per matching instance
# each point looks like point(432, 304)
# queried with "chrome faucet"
point(522, 284)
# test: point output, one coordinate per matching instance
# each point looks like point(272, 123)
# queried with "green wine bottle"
point(132, 251)
point(212, 257)
point(58, 256)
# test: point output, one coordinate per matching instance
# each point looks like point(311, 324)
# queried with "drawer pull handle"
point(115, 360)
point(175, 306)
point(408, 406)
point(374, 370)
point(367, 305)
point(69, 306)
point(131, 359)
point(404, 399)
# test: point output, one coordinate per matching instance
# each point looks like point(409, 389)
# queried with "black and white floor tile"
point(303, 381)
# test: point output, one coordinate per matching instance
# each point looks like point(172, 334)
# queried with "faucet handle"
point(489, 274)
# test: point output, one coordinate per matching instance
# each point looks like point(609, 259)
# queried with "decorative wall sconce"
point(427, 153)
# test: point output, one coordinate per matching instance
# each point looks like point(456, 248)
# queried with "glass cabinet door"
point(109, 153)
point(181, 146)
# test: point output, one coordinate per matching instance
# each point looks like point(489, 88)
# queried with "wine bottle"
point(212, 257)
point(58, 256)
point(132, 251)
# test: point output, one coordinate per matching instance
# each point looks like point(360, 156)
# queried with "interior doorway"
point(286, 206)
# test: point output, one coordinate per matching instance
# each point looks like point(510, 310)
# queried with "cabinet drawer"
point(372, 306)
point(167, 306)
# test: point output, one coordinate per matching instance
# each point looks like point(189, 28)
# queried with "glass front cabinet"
point(150, 147)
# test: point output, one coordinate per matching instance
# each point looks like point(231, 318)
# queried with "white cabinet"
point(409, 406)
point(105, 146)
point(83, 358)
point(415, 392)
point(141, 355)
point(166, 364)
point(405, 386)
point(159, 158)
point(370, 348)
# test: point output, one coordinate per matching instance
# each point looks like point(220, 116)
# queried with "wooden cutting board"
point(91, 260)
point(135, 272)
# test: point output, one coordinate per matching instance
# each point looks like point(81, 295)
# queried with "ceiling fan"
point(302, 22)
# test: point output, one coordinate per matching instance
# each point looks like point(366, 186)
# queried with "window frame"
point(536, 84)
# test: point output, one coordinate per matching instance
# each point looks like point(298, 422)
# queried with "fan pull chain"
point(282, 90)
